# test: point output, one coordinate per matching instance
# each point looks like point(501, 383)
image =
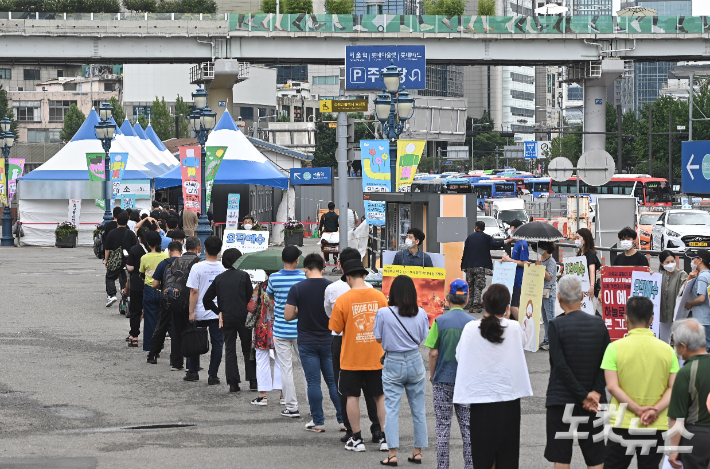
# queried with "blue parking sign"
point(363, 65)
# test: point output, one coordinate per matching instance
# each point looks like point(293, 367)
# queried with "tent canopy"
point(242, 163)
point(69, 164)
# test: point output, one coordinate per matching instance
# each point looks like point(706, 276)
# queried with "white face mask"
point(695, 265)
point(579, 243)
point(541, 252)
point(626, 245)
point(669, 267)
point(247, 226)
point(409, 243)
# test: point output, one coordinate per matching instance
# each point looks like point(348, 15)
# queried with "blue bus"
point(457, 185)
point(505, 189)
point(538, 187)
point(484, 190)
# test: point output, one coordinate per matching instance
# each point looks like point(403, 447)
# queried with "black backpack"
point(176, 294)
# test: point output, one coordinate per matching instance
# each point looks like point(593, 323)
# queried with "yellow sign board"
point(344, 105)
point(332, 125)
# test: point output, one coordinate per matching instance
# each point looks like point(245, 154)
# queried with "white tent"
point(165, 157)
point(44, 193)
point(153, 160)
point(153, 137)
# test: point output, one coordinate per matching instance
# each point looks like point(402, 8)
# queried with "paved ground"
point(71, 391)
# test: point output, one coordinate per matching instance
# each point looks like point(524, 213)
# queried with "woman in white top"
point(491, 377)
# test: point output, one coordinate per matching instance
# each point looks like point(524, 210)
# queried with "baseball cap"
point(290, 254)
point(458, 287)
point(703, 254)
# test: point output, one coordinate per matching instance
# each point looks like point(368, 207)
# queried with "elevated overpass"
point(320, 39)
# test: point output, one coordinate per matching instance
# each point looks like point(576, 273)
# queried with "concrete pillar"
point(595, 101)
point(226, 74)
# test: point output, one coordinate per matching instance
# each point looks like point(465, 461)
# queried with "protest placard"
point(531, 305)
point(616, 289)
point(504, 273)
point(232, 212)
point(245, 240)
point(429, 282)
point(74, 214)
point(648, 285)
point(578, 266)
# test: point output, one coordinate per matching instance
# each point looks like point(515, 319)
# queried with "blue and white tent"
point(166, 158)
point(155, 140)
point(242, 163)
point(148, 155)
point(44, 194)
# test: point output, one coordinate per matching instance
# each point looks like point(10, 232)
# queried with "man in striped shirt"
point(286, 333)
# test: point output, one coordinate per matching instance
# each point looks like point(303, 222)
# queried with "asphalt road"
point(72, 395)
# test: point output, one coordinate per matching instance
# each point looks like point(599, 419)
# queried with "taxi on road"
point(680, 230)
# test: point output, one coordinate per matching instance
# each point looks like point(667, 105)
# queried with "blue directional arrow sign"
point(310, 176)
point(695, 167)
point(363, 65)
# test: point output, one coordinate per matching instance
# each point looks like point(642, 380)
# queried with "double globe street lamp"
point(393, 107)
point(104, 132)
point(7, 138)
point(203, 121)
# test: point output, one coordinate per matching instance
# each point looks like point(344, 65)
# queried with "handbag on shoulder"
point(194, 341)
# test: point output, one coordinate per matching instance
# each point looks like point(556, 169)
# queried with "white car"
point(492, 227)
point(679, 230)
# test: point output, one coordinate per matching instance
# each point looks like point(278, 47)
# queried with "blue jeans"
point(216, 342)
point(317, 359)
point(404, 371)
point(548, 311)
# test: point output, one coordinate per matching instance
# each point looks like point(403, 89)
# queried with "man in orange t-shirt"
point(360, 368)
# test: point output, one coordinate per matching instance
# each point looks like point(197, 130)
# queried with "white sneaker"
point(425, 27)
point(359, 28)
point(312, 427)
point(259, 401)
point(342, 427)
point(355, 445)
point(383, 445)
point(110, 301)
point(282, 401)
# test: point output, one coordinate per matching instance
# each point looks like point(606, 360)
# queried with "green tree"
point(161, 120)
point(148, 6)
point(268, 6)
point(6, 110)
point(182, 109)
point(445, 7)
point(569, 146)
point(326, 143)
point(283, 118)
point(72, 122)
point(486, 8)
point(142, 121)
point(118, 113)
point(339, 7)
point(296, 6)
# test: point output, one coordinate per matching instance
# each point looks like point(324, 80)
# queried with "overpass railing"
point(4, 15)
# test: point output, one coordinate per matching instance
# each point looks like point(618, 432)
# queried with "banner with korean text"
point(117, 166)
point(504, 273)
point(430, 283)
point(375, 165)
point(375, 213)
point(616, 289)
point(409, 153)
point(128, 201)
point(74, 214)
point(3, 182)
point(213, 160)
point(578, 266)
point(191, 177)
point(232, 212)
point(15, 169)
point(245, 240)
point(648, 285)
point(530, 312)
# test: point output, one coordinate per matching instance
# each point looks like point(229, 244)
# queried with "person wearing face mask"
point(248, 223)
point(585, 246)
point(700, 306)
point(549, 289)
point(673, 280)
point(413, 255)
point(631, 257)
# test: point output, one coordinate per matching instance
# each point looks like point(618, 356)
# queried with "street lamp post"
point(393, 107)
point(104, 131)
point(203, 121)
point(7, 138)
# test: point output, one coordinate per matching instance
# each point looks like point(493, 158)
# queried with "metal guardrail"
point(5, 15)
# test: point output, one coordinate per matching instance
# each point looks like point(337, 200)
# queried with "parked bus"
point(504, 188)
point(484, 190)
point(457, 185)
point(433, 186)
point(648, 190)
point(538, 187)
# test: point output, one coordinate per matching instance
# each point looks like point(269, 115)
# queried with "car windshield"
point(691, 218)
point(510, 215)
point(649, 219)
point(489, 221)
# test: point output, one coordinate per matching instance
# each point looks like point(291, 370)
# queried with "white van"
point(507, 210)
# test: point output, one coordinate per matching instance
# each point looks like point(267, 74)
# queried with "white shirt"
point(489, 372)
point(201, 276)
point(332, 292)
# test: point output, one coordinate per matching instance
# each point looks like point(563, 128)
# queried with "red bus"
point(648, 190)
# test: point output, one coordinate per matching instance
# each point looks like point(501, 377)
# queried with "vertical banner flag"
point(375, 213)
point(74, 211)
point(16, 167)
point(128, 201)
point(648, 285)
point(578, 266)
point(213, 159)
point(95, 162)
point(430, 283)
point(530, 311)
point(232, 212)
point(409, 152)
point(117, 166)
point(504, 273)
point(3, 184)
point(190, 169)
point(616, 289)
point(375, 165)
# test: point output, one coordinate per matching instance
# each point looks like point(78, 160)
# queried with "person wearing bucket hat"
point(700, 306)
point(442, 341)
point(360, 367)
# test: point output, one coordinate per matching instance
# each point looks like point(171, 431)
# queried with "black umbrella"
point(537, 231)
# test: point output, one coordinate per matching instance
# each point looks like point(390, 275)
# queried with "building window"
point(60, 73)
point(522, 128)
point(262, 112)
point(520, 78)
point(140, 111)
point(27, 111)
point(284, 73)
point(109, 86)
point(575, 93)
point(524, 95)
point(5, 73)
point(327, 80)
point(58, 109)
point(43, 135)
point(31, 74)
point(522, 112)
point(247, 113)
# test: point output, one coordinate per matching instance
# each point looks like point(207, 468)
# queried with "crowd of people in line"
point(363, 343)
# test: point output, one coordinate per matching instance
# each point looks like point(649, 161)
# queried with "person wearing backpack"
point(232, 290)
point(170, 279)
point(118, 242)
point(151, 296)
point(135, 287)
